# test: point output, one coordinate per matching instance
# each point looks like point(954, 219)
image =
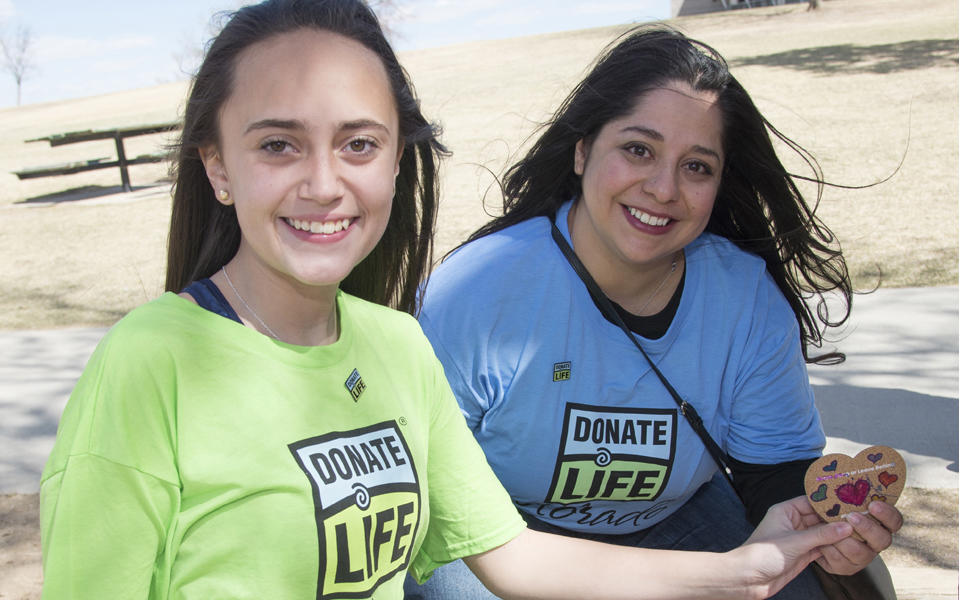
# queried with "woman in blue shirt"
point(660, 173)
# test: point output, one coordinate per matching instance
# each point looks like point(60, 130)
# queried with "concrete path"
point(38, 369)
point(898, 386)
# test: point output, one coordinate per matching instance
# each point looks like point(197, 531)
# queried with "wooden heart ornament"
point(837, 484)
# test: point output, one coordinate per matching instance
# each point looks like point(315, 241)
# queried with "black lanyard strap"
point(686, 409)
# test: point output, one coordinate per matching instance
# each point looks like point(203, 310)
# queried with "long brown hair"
point(205, 234)
point(758, 206)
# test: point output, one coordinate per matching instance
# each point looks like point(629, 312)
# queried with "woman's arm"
point(539, 565)
point(774, 417)
point(103, 526)
point(110, 487)
point(761, 486)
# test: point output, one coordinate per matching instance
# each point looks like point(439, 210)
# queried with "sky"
point(99, 46)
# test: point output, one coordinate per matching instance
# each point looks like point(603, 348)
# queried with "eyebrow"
point(653, 133)
point(275, 124)
point(298, 124)
point(363, 124)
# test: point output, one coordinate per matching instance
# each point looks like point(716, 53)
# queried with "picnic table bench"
point(117, 134)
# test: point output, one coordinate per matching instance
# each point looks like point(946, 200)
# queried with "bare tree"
point(18, 55)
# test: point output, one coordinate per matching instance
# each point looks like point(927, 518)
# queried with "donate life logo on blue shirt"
point(613, 454)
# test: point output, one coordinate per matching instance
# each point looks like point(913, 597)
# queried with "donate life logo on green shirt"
point(367, 501)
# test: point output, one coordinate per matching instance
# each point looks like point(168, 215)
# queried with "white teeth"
point(648, 219)
point(324, 227)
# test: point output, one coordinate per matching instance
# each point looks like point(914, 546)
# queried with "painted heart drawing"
point(837, 484)
point(820, 494)
point(854, 493)
point(887, 479)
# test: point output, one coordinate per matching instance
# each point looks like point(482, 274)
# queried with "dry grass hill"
point(862, 84)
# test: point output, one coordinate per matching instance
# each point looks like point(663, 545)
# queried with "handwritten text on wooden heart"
point(837, 484)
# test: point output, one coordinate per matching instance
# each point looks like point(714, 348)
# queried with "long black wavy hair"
point(205, 234)
point(758, 206)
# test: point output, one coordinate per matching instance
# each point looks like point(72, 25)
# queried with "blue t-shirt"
point(571, 418)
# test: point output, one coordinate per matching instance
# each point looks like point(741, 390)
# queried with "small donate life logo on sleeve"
point(837, 484)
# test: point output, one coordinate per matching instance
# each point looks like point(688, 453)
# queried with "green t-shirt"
point(197, 458)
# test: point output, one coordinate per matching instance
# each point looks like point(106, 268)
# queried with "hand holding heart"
point(863, 490)
point(837, 484)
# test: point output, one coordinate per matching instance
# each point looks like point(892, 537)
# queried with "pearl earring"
point(223, 195)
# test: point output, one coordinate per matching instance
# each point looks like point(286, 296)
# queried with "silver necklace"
point(673, 267)
point(253, 312)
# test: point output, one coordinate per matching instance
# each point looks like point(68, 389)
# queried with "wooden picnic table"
point(117, 134)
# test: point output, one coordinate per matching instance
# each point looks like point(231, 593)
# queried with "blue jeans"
point(712, 520)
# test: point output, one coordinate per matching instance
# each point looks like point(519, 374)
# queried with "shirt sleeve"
point(473, 403)
point(762, 486)
point(103, 527)
point(470, 512)
point(110, 488)
point(773, 415)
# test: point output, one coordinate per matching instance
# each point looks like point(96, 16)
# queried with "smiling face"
point(308, 152)
point(649, 180)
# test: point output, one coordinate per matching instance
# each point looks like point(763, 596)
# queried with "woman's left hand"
point(849, 555)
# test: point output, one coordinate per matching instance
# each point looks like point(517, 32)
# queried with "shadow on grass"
point(86, 192)
point(849, 58)
point(20, 522)
point(60, 312)
point(927, 537)
point(934, 266)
